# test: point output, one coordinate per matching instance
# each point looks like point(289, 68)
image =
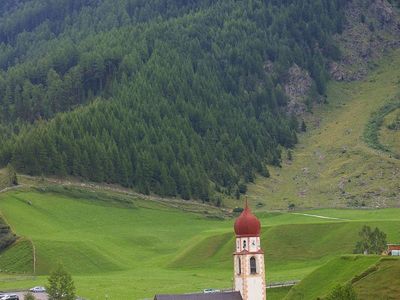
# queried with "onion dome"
point(247, 224)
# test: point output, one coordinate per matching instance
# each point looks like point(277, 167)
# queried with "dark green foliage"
point(371, 132)
point(7, 237)
point(371, 241)
point(60, 286)
point(303, 126)
point(289, 155)
point(364, 274)
point(395, 125)
point(183, 98)
point(242, 188)
point(11, 175)
point(342, 292)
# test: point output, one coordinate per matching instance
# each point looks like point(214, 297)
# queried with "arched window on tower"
point(253, 265)
point(239, 266)
point(244, 245)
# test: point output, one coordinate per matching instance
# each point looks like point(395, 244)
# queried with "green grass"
point(148, 247)
point(337, 271)
point(277, 293)
point(332, 165)
point(18, 258)
point(383, 283)
point(111, 248)
point(372, 277)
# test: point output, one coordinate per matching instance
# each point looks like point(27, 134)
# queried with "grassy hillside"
point(384, 282)
point(146, 247)
point(332, 165)
point(372, 277)
point(292, 250)
point(18, 258)
point(337, 271)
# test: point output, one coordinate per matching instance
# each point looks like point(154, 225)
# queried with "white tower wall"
point(250, 284)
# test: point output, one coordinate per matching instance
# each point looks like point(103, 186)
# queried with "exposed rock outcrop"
point(372, 27)
point(297, 87)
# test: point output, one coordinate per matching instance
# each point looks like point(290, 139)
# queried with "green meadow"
point(373, 277)
point(128, 248)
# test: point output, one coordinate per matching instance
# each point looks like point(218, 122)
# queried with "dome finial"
point(247, 224)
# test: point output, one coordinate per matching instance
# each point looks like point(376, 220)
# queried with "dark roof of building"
point(201, 296)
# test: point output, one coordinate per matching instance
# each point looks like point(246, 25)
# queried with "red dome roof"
point(247, 224)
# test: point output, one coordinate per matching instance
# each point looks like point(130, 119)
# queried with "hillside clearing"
point(332, 166)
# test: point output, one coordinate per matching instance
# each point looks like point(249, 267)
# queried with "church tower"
point(249, 269)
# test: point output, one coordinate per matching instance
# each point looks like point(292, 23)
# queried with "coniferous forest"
point(172, 97)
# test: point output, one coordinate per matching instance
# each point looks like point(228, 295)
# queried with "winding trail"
point(321, 217)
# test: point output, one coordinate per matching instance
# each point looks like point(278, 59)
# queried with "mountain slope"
point(372, 277)
point(189, 93)
point(337, 271)
point(383, 281)
point(333, 165)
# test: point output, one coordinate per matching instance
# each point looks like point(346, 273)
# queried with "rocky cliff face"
point(297, 88)
point(372, 27)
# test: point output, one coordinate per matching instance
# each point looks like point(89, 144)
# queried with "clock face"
point(253, 243)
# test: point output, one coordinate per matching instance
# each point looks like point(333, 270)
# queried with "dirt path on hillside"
point(320, 217)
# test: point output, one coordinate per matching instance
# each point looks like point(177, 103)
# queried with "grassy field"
point(384, 282)
point(332, 165)
point(18, 258)
point(337, 271)
point(372, 277)
point(136, 249)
